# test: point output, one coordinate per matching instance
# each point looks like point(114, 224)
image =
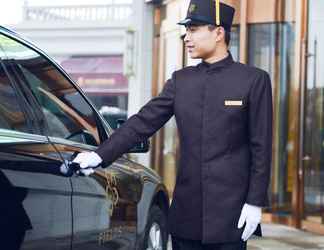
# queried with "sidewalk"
point(279, 237)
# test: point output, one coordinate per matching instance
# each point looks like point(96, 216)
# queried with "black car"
point(45, 120)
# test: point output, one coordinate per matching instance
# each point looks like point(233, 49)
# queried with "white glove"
point(252, 216)
point(88, 161)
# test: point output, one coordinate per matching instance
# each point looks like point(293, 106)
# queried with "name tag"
point(233, 103)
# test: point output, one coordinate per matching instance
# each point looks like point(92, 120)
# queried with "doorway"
point(313, 124)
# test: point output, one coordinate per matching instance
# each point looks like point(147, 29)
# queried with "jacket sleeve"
point(260, 139)
point(139, 127)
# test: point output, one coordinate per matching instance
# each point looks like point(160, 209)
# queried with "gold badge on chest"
point(233, 102)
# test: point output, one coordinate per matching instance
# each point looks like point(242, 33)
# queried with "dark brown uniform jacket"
point(224, 117)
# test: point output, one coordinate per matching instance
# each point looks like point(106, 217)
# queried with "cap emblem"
point(192, 8)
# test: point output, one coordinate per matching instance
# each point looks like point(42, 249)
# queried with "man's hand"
point(252, 216)
point(88, 161)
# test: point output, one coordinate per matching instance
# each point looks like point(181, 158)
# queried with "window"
point(270, 48)
point(12, 115)
point(262, 42)
point(67, 113)
point(234, 45)
point(101, 78)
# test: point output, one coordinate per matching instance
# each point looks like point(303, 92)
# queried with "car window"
point(67, 113)
point(12, 115)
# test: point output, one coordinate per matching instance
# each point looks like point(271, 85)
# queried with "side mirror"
point(142, 147)
point(120, 122)
point(112, 115)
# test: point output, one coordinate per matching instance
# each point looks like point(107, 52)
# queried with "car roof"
point(10, 33)
point(8, 30)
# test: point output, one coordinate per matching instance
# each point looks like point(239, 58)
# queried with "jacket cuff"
point(257, 201)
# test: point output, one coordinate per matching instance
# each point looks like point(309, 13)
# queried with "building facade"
point(285, 38)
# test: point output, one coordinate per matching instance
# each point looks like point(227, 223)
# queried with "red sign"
point(97, 74)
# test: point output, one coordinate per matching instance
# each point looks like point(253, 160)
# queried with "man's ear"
point(220, 33)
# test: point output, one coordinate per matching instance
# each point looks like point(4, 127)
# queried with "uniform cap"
point(202, 12)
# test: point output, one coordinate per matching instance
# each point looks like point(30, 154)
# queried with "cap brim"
point(189, 21)
point(185, 22)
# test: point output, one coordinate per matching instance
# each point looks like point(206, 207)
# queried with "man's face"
point(201, 42)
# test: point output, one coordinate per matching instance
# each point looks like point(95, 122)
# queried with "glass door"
point(313, 155)
point(170, 144)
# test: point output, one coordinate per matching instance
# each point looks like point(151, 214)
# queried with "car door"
point(35, 206)
point(104, 205)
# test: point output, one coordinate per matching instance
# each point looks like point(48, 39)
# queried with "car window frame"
point(104, 129)
point(24, 104)
point(29, 99)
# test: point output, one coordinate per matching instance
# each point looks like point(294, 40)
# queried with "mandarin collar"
point(219, 64)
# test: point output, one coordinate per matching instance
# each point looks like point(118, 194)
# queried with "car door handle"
point(68, 168)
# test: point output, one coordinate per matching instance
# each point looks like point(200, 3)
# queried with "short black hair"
point(227, 34)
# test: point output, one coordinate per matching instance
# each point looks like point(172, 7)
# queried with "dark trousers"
point(184, 244)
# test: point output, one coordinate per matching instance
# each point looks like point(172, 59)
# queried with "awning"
point(97, 74)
